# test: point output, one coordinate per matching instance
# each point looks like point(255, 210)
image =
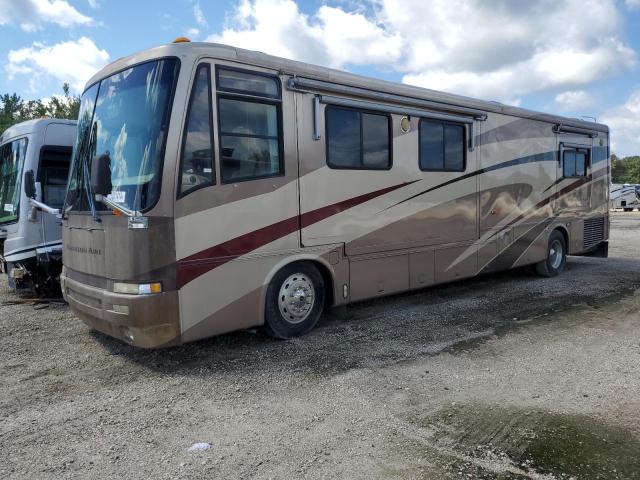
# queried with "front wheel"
point(295, 299)
point(556, 256)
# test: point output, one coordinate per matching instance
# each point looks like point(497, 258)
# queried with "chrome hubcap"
point(296, 298)
point(555, 254)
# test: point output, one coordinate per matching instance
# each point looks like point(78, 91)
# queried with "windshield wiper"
point(87, 176)
point(83, 173)
point(66, 205)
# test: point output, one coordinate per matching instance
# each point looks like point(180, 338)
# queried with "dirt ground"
point(506, 376)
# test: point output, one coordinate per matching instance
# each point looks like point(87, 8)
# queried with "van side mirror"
point(101, 174)
point(29, 184)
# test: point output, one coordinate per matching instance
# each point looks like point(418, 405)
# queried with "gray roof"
point(30, 126)
point(307, 70)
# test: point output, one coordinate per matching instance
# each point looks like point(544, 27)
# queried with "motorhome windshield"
point(11, 161)
point(125, 116)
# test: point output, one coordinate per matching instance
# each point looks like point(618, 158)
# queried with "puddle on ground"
point(508, 443)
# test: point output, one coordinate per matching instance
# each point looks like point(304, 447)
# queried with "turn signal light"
point(137, 288)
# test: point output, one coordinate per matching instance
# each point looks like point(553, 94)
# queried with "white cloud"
point(193, 32)
point(624, 122)
point(574, 100)
point(513, 48)
point(31, 14)
point(332, 37)
point(492, 49)
point(93, 3)
point(199, 16)
point(631, 4)
point(73, 62)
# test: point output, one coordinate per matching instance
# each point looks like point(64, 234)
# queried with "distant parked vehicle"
point(34, 166)
point(625, 196)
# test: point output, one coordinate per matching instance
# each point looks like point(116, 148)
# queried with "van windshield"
point(125, 116)
point(12, 156)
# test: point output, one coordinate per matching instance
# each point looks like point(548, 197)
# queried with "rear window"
point(574, 162)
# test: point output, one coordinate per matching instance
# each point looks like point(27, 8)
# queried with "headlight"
point(137, 288)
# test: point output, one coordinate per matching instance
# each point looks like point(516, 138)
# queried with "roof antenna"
point(588, 117)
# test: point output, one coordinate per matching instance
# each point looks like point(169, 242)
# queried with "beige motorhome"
point(214, 189)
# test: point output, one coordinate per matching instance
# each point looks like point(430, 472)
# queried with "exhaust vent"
point(593, 232)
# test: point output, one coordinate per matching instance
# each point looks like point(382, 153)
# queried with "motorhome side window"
point(442, 146)
point(197, 150)
point(52, 174)
point(574, 162)
point(357, 140)
point(250, 127)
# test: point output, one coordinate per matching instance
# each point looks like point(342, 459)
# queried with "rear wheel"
point(556, 256)
point(295, 298)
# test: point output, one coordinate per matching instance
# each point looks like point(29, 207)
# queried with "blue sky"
point(573, 57)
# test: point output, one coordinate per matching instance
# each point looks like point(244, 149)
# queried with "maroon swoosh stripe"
point(191, 267)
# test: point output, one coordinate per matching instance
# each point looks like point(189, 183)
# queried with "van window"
point(53, 173)
point(12, 156)
point(357, 140)
point(197, 150)
point(442, 146)
point(249, 121)
point(574, 162)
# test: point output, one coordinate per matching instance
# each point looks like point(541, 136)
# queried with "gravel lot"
point(506, 376)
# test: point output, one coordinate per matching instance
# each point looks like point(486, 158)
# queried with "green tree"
point(625, 170)
point(10, 110)
point(14, 109)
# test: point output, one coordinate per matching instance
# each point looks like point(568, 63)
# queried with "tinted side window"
point(197, 150)
point(52, 174)
point(569, 163)
point(581, 164)
point(454, 147)
point(343, 137)
point(250, 128)
point(574, 162)
point(431, 145)
point(375, 141)
point(357, 140)
point(442, 146)
point(245, 82)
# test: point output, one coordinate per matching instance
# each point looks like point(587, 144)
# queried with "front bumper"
point(147, 321)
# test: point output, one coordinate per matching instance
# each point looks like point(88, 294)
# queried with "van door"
point(52, 175)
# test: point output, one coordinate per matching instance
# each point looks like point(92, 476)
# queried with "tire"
point(628, 209)
point(294, 302)
point(556, 256)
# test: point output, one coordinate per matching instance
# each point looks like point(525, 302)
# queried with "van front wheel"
point(295, 299)
point(556, 256)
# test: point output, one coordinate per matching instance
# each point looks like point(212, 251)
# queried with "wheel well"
point(565, 234)
point(327, 279)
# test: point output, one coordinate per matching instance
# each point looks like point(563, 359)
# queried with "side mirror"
point(101, 175)
point(29, 184)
